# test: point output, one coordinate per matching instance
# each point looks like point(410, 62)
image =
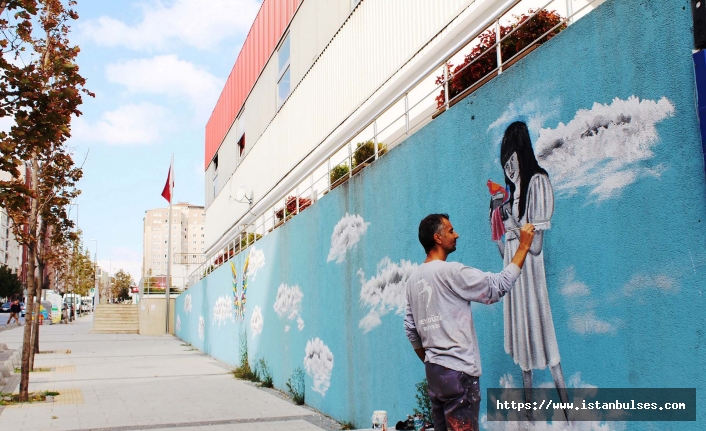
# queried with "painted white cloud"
point(603, 149)
point(535, 116)
point(639, 283)
point(187, 303)
point(167, 75)
point(507, 382)
point(346, 235)
point(255, 262)
point(133, 124)
point(223, 311)
point(256, 321)
point(202, 328)
point(175, 23)
point(582, 315)
point(288, 304)
point(318, 363)
point(385, 292)
point(589, 323)
point(178, 324)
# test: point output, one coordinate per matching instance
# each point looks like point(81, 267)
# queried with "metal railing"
point(395, 122)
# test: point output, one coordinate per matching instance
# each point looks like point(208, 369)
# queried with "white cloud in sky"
point(603, 149)
point(177, 23)
point(167, 75)
point(288, 304)
point(132, 124)
point(384, 292)
point(223, 311)
point(318, 363)
point(256, 321)
point(345, 236)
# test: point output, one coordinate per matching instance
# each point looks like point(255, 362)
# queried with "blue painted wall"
point(625, 256)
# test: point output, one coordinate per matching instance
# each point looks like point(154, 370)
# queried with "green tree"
point(10, 285)
point(121, 287)
point(41, 93)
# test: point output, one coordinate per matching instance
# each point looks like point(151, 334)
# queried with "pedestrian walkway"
point(132, 382)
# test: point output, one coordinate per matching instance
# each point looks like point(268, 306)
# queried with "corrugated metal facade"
point(269, 25)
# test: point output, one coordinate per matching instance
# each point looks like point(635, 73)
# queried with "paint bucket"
point(380, 420)
point(419, 423)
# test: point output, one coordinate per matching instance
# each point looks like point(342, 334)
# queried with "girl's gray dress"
point(529, 329)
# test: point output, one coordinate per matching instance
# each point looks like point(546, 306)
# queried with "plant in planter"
point(249, 239)
point(338, 172)
point(484, 58)
point(290, 207)
point(365, 152)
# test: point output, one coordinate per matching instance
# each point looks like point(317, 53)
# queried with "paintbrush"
point(539, 223)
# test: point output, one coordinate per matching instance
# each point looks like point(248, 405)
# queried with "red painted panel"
point(271, 20)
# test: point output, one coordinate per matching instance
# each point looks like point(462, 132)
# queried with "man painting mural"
point(439, 323)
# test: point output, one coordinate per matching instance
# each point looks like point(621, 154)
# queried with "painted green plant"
point(264, 374)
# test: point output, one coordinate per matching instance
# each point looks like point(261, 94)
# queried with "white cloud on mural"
point(223, 311)
point(202, 328)
point(256, 261)
point(346, 235)
point(602, 149)
point(318, 363)
point(178, 324)
point(589, 323)
point(582, 315)
point(529, 112)
point(288, 304)
point(385, 292)
point(507, 382)
point(639, 283)
point(256, 321)
point(187, 303)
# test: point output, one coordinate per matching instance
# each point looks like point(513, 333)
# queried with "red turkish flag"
point(167, 192)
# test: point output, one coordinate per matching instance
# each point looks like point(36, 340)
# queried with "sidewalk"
point(132, 382)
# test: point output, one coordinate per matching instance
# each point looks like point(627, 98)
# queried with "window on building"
point(215, 175)
point(283, 77)
point(241, 146)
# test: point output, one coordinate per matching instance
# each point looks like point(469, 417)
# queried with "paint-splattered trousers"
point(455, 399)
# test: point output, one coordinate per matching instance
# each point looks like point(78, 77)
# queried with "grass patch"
point(34, 397)
point(347, 426)
point(264, 374)
point(295, 386)
point(185, 344)
point(244, 371)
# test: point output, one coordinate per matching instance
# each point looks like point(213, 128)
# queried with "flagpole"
point(169, 240)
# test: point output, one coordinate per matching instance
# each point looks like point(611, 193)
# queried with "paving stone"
point(127, 382)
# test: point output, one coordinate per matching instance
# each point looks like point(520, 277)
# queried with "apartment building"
point(188, 242)
point(12, 253)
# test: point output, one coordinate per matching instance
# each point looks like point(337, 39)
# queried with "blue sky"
point(157, 69)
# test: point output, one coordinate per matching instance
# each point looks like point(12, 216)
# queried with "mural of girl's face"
point(512, 168)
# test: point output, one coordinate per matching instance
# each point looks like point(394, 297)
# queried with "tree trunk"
point(35, 325)
point(33, 308)
point(27, 340)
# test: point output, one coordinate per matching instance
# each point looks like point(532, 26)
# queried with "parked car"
point(22, 304)
point(6, 307)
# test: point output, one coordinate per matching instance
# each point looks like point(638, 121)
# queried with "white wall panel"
point(379, 39)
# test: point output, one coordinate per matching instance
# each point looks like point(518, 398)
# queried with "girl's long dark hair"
point(517, 140)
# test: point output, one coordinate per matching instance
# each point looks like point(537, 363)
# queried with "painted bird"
point(495, 188)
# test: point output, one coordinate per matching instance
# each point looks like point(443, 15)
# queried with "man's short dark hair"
point(430, 225)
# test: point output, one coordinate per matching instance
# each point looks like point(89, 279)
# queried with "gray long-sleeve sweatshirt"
point(439, 315)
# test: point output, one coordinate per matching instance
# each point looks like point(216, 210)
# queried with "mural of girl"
point(529, 330)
